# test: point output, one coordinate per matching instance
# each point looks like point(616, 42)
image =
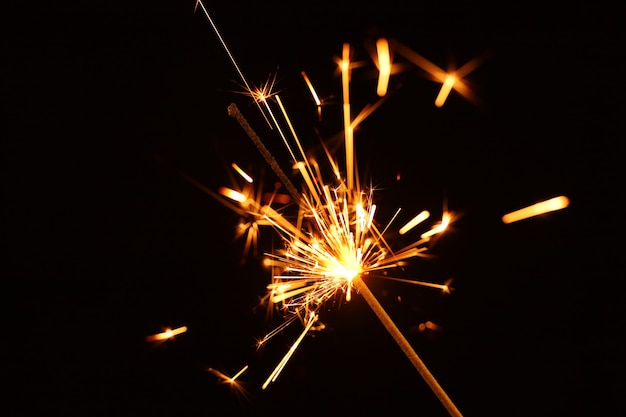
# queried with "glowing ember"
point(167, 334)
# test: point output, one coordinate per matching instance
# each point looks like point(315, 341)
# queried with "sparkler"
point(334, 241)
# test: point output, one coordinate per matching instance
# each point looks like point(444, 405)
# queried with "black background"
point(104, 105)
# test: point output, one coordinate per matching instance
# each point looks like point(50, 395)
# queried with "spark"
point(537, 209)
point(226, 378)
point(384, 66)
point(232, 381)
point(316, 98)
point(166, 334)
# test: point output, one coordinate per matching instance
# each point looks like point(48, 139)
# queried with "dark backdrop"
point(105, 105)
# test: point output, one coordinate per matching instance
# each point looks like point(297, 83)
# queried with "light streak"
point(446, 87)
point(333, 242)
point(537, 209)
point(316, 98)
point(167, 334)
point(231, 380)
point(225, 378)
point(414, 222)
point(241, 172)
point(384, 66)
point(442, 226)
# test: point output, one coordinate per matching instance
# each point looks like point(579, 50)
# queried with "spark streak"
point(414, 222)
point(542, 207)
point(167, 334)
point(384, 66)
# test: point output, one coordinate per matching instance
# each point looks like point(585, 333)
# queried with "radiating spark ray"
point(436, 72)
point(443, 287)
point(277, 330)
point(289, 294)
point(298, 143)
point(414, 222)
point(292, 349)
point(279, 129)
point(225, 378)
point(367, 111)
point(553, 204)
point(241, 172)
point(234, 112)
point(448, 80)
point(310, 85)
point(241, 371)
point(227, 49)
point(348, 130)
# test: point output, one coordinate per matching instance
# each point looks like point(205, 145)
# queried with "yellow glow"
point(167, 334)
point(311, 320)
point(556, 203)
point(384, 66)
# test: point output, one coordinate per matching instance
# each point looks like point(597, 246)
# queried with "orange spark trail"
point(556, 203)
point(167, 334)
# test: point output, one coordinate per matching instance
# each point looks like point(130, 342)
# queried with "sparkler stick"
point(234, 112)
point(405, 346)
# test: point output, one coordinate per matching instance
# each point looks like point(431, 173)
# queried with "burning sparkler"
point(333, 242)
